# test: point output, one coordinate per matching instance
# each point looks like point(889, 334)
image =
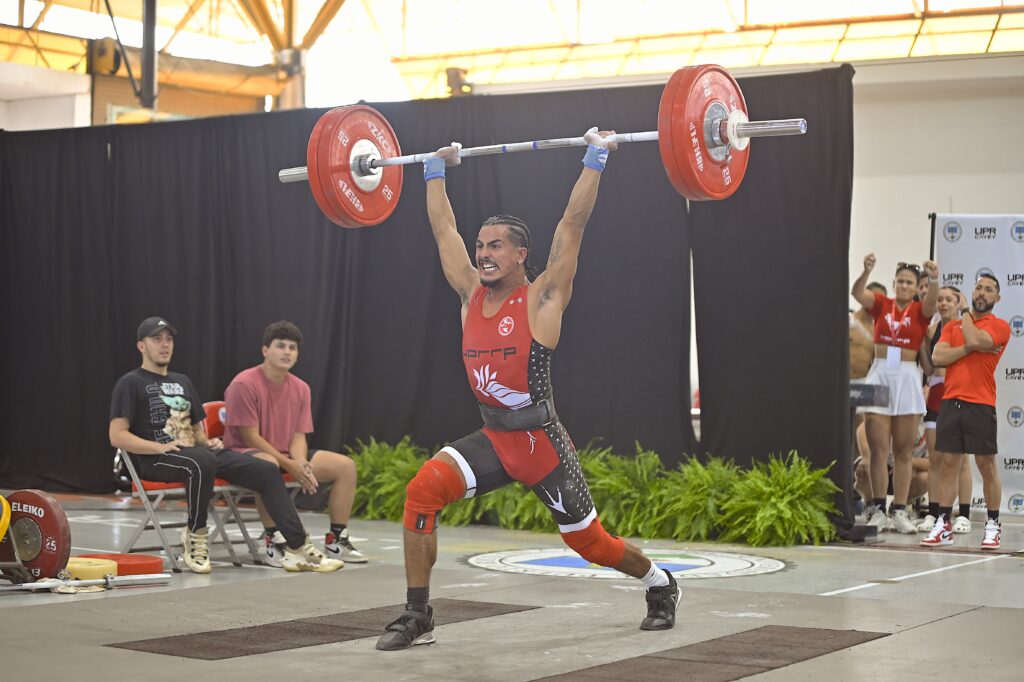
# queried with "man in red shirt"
point(268, 416)
point(970, 350)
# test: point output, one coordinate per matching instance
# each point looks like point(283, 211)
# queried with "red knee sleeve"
point(434, 485)
point(596, 545)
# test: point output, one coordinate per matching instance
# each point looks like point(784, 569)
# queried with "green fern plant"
point(688, 504)
point(383, 471)
point(623, 489)
point(780, 503)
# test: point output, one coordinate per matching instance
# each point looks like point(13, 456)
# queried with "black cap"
point(151, 326)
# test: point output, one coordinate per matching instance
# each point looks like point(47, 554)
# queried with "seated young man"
point(268, 416)
point(156, 417)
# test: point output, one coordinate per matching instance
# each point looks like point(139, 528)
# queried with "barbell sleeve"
point(746, 129)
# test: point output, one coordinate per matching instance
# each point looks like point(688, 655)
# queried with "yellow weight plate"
point(5, 516)
point(84, 568)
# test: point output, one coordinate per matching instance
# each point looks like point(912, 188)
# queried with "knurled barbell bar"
point(354, 162)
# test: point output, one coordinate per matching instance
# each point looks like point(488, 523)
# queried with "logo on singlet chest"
point(487, 384)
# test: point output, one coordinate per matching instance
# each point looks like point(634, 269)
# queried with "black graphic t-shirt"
point(157, 407)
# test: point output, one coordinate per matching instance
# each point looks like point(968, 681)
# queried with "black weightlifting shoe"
point(411, 628)
point(661, 606)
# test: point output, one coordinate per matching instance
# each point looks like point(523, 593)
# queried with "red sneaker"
point(993, 529)
point(941, 533)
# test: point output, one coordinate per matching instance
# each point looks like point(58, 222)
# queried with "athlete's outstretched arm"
point(458, 268)
point(555, 283)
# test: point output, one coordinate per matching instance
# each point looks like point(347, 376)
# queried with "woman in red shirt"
point(900, 327)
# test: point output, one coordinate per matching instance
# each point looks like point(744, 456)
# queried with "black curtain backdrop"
point(771, 284)
point(105, 226)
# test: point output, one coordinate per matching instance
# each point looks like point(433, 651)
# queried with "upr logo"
point(1016, 503)
point(1015, 415)
point(984, 271)
point(952, 231)
point(1017, 231)
point(1017, 325)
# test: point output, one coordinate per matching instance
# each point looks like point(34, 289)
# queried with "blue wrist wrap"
point(433, 168)
point(596, 157)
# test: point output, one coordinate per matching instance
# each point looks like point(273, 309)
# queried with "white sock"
point(655, 577)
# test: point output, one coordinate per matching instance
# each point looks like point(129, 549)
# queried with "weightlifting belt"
point(535, 416)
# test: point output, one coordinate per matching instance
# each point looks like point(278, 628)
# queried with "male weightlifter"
point(506, 306)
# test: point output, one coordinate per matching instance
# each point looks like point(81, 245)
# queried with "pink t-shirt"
point(279, 411)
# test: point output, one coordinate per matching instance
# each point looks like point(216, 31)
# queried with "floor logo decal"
point(690, 564)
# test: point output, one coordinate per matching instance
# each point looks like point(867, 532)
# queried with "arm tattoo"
point(556, 251)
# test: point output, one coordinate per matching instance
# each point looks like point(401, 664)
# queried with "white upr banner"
point(965, 247)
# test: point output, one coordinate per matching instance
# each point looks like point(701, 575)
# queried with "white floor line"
point(914, 575)
point(888, 549)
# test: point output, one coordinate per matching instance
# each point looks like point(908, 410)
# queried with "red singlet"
point(901, 328)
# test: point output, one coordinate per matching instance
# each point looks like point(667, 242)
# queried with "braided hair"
point(519, 234)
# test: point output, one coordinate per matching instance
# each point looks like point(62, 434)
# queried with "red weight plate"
point(132, 564)
point(339, 216)
point(316, 182)
point(351, 131)
point(312, 170)
point(688, 95)
point(41, 529)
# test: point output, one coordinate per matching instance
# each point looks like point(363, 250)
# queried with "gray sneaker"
point(273, 547)
point(410, 629)
point(661, 606)
point(340, 547)
point(878, 519)
point(901, 522)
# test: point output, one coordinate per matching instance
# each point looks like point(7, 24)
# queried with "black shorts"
point(966, 428)
point(563, 490)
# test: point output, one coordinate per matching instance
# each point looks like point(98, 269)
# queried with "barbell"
point(354, 162)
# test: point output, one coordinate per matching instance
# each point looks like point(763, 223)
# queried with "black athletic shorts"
point(563, 490)
point(966, 428)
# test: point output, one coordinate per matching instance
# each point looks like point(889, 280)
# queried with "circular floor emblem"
point(506, 326)
point(566, 563)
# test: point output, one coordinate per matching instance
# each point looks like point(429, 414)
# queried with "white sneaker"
point(940, 535)
point(196, 550)
point(273, 549)
point(877, 519)
point(993, 529)
point(926, 524)
point(309, 558)
point(961, 525)
point(340, 547)
point(901, 522)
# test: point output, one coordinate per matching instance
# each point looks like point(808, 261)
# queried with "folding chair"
point(153, 494)
point(216, 416)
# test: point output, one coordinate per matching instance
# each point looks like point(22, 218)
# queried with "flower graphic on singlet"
point(486, 383)
point(894, 324)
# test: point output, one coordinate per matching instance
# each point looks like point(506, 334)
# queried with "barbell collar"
point(786, 126)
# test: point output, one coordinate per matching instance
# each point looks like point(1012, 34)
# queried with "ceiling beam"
point(189, 13)
point(288, 7)
point(260, 16)
point(323, 19)
point(35, 25)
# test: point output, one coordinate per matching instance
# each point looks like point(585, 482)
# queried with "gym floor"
point(942, 613)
